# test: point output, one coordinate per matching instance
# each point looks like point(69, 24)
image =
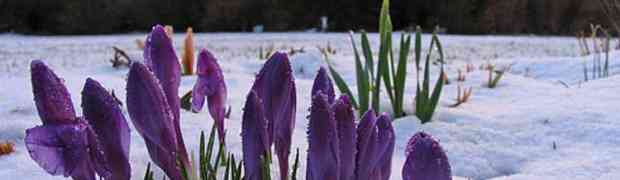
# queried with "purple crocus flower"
point(426, 160)
point(364, 153)
point(104, 114)
point(275, 86)
point(345, 122)
point(323, 145)
point(153, 118)
point(323, 83)
point(386, 140)
point(366, 146)
point(211, 84)
point(65, 144)
point(51, 97)
point(375, 146)
point(160, 57)
point(254, 137)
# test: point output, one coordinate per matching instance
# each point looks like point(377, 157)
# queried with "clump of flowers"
point(337, 150)
point(275, 97)
point(83, 148)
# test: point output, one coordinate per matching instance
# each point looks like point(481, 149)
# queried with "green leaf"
point(148, 175)
point(498, 76)
point(401, 75)
point(202, 158)
point(362, 80)
point(370, 68)
point(210, 145)
point(186, 101)
point(342, 86)
point(239, 170)
point(228, 169)
point(425, 105)
point(418, 48)
point(181, 165)
point(266, 170)
point(295, 166)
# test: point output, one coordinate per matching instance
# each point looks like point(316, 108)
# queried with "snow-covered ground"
point(541, 122)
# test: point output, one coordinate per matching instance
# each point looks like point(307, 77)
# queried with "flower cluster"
point(83, 148)
point(97, 144)
point(337, 149)
point(269, 116)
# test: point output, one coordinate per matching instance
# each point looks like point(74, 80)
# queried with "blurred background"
point(555, 17)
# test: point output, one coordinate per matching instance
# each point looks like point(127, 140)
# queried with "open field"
point(541, 121)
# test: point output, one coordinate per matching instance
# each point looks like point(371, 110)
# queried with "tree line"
point(455, 16)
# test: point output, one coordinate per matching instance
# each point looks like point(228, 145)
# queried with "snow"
point(541, 122)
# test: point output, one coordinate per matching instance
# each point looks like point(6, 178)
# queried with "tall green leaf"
point(340, 83)
point(401, 74)
point(362, 80)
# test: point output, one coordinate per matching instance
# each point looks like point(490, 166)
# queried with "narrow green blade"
point(342, 86)
point(362, 79)
point(370, 68)
point(401, 75)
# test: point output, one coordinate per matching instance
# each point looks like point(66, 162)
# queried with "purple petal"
point(323, 83)
point(426, 160)
point(152, 117)
point(254, 137)
point(275, 86)
point(51, 97)
point(345, 119)
point(323, 146)
point(161, 58)
point(59, 149)
point(105, 116)
point(97, 161)
point(386, 140)
point(210, 83)
point(366, 146)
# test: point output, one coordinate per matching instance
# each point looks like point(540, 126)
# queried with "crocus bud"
point(375, 146)
point(426, 160)
point(275, 86)
point(80, 156)
point(105, 116)
point(323, 83)
point(152, 117)
point(51, 97)
point(366, 146)
point(160, 57)
point(254, 137)
point(386, 140)
point(323, 147)
point(345, 122)
point(211, 84)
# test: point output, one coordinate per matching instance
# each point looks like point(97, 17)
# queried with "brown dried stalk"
point(169, 31)
point(446, 80)
point(188, 52)
point(6, 148)
point(120, 58)
point(140, 44)
point(461, 76)
point(462, 96)
point(292, 51)
point(469, 68)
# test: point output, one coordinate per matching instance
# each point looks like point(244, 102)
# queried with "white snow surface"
point(542, 121)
